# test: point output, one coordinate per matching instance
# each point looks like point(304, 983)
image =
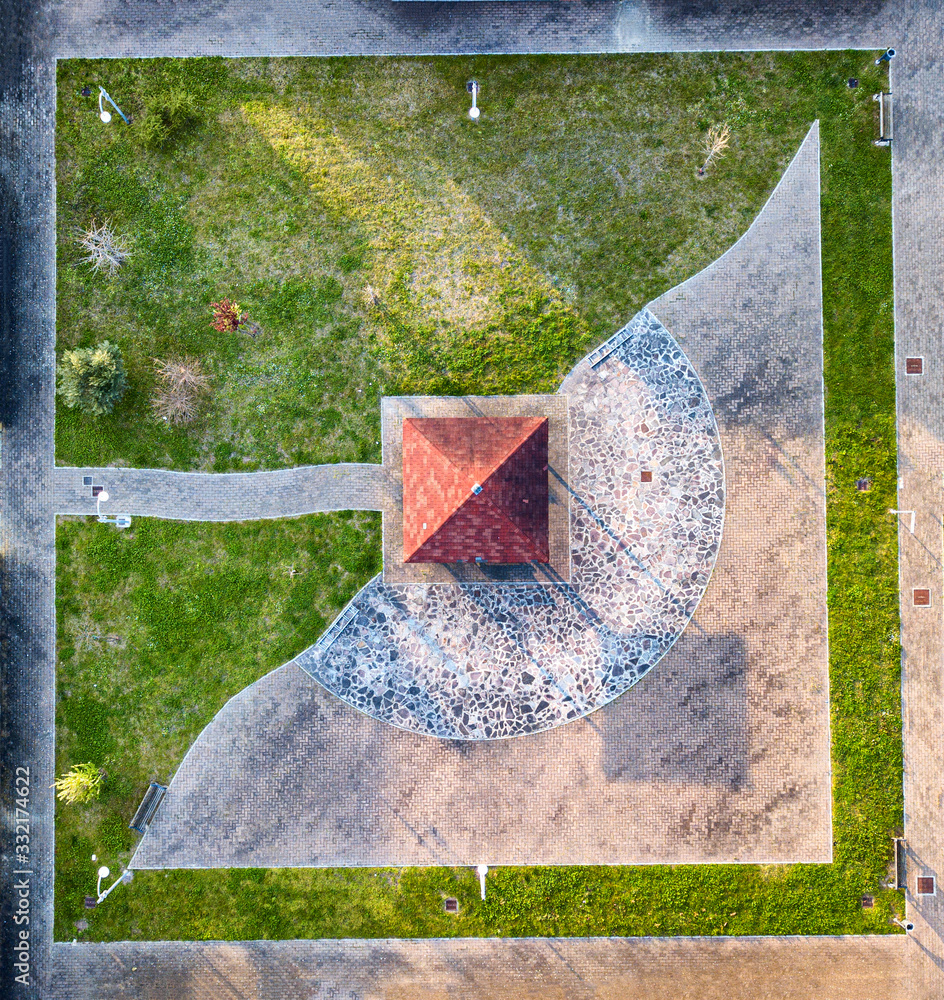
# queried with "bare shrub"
point(716, 142)
point(107, 251)
point(183, 387)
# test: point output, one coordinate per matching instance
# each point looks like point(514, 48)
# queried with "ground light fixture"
point(473, 88)
point(106, 115)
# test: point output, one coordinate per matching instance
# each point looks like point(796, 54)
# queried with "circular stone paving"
point(487, 661)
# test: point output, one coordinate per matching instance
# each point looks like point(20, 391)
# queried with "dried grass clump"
point(107, 251)
point(716, 142)
point(183, 387)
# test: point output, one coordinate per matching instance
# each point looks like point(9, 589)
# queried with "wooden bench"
point(150, 802)
point(884, 119)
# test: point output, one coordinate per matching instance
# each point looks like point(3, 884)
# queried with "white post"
point(483, 871)
point(900, 512)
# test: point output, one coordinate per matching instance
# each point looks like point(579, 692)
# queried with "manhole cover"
point(914, 366)
point(922, 598)
point(925, 885)
point(645, 477)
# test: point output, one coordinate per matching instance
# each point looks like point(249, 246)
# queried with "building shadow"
point(686, 721)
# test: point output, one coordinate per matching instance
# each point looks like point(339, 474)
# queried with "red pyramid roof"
point(446, 518)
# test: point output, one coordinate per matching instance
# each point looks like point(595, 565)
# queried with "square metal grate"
point(914, 366)
point(922, 598)
point(451, 905)
point(926, 885)
point(86, 480)
point(868, 902)
point(863, 485)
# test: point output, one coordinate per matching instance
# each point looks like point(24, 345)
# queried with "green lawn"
point(384, 243)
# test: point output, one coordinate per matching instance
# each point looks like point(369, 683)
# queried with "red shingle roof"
point(446, 518)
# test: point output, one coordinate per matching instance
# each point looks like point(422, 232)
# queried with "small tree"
point(92, 379)
point(82, 784)
point(226, 316)
point(168, 115)
point(716, 142)
point(183, 385)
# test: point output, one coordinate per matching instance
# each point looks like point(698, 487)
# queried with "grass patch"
point(321, 194)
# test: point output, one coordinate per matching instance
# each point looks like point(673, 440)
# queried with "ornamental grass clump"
point(92, 379)
point(183, 387)
point(226, 316)
point(82, 784)
point(716, 142)
point(107, 251)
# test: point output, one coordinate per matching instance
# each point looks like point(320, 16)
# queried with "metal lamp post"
point(106, 115)
point(119, 520)
point(473, 88)
point(103, 872)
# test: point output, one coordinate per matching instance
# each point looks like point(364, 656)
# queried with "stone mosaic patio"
point(489, 660)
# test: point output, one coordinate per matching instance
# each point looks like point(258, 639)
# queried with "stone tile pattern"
point(485, 661)
point(396, 410)
point(27, 525)
point(475, 487)
point(720, 754)
point(238, 496)
point(917, 83)
point(98, 28)
point(593, 968)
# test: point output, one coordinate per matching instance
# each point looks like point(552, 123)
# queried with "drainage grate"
point(925, 885)
point(914, 366)
point(96, 490)
point(645, 477)
point(853, 82)
point(863, 485)
point(868, 902)
point(452, 905)
point(86, 480)
point(922, 598)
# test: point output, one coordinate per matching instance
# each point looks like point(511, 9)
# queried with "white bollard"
point(482, 871)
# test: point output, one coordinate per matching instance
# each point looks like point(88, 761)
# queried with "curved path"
point(208, 496)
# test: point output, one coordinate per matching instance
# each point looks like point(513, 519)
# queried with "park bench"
point(150, 802)
point(884, 119)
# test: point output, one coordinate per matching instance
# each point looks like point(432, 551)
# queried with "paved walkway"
point(786, 968)
point(237, 496)
point(720, 753)
point(917, 80)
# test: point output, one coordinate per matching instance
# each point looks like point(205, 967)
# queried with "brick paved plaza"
point(736, 770)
